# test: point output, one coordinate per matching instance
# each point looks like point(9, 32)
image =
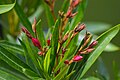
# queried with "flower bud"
point(40, 53)
point(34, 25)
point(75, 3)
point(93, 44)
point(79, 27)
point(66, 61)
point(69, 12)
point(26, 32)
point(48, 42)
point(77, 58)
point(65, 37)
point(36, 42)
point(90, 50)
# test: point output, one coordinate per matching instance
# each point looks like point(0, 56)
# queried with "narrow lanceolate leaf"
point(6, 68)
point(6, 7)
point(103, 41)
point(62, 73)
point(80, 14)
point(40, 33)
point(54, 42)
point(31, 54)
point(68, 76)
point(7, 76)
point(16, 63)
point(23, 17)
point(12, 47)
point(47, 60)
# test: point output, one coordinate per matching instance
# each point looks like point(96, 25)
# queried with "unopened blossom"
point(36, 42)
point(77, 58)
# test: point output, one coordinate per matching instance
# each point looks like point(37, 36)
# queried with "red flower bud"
point(36, 42)
point(93, 44)
point(66, 61)
point(26, 32)
point(77, 58)
point(48, 42)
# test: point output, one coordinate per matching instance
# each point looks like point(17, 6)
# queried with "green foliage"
point(60, 55)
point(6, 7)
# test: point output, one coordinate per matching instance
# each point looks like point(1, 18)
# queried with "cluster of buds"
point(73, 5)
point(89, 48)
point(34, 40)
point(83, 49)
point(78, 56)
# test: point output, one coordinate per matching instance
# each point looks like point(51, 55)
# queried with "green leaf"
point(23, 17)
point(6, 7)
point(54, 42)
point(65, 5)
point(103, 41)
point(16, 63)
point(68, 76)
point(40, 33)
point(62, 73)
point(17, 49)
point(31, 54)
point(6, 76)
point(8, 69)
point(80, 14)
point(91, 78)
point(47, 60)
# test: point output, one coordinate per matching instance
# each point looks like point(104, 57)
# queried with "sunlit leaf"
point(47, 60)
point(6, 7)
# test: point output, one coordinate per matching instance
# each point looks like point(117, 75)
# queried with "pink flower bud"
point(36, 42)
point(93, 44)
point(66, 61)
point(75, 3)
point(48, 42)
point(90, 50)
point(77, 58)
point(69, 12)
point(40, 53)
